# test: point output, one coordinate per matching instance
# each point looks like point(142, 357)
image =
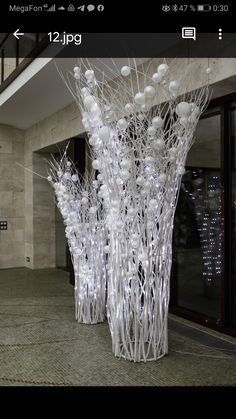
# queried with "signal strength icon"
point(52, 8)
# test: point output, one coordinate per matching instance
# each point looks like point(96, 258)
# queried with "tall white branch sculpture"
point(140, 148)
point(80, 206)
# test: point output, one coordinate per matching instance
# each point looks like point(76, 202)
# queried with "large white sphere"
point(122, 124)
point(129, 108)
point(75, 177)
point(89, 101)
point(140, 117)
point(151, 131)
point(158, 144)
point(92, 210)
point(84, 201)
point(106, 249)
point(125, 164)
point(85, 91)
point(96, 164)
point(124, 174)
point(157, 122)
point(67, 176)
point(89, 74)
point(104, 133)
point(183, 109)
point(149, 91)
point(163, 69)
point(149, 160)
point(139, 98)
point(95, 110)
point(157, 77)
point(162, 178)
point(174, 86)
point(140, 180)
point(153, 203)
point(125, 70)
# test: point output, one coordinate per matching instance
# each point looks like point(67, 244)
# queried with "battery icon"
point(203, 7)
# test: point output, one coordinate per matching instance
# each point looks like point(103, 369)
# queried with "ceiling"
point(44, 93)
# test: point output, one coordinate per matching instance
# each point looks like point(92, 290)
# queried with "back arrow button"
point(17, 34)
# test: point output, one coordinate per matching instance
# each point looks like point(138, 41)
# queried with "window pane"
point(198, 224)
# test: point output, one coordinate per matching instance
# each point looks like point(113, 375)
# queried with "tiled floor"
point(42, 344)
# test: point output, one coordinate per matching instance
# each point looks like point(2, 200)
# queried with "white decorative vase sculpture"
point(81, 210)
point(139, 147)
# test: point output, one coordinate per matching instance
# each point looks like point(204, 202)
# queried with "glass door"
point(198, 234)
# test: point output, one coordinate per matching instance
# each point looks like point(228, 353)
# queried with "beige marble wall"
point(40, 243)
point(12, 195)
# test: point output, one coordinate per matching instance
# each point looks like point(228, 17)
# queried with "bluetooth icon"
point(166, 8)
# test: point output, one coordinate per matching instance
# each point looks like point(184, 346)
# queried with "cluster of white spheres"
point(76, 72)
point(162, 71)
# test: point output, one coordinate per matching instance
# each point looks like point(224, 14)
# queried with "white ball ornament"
point(173, 87)
point(157, 122)
point(163, 69)
point(74, 178)
point(106, 249)
point(84, 201)
point(151, 131)
point(76, 69)
point(162, 178)
point(89, 74)
point(149, 91)
point(125, 71)
point(158, 144)
point(92, 210)
point(124, 174)
point(122, 124)
point(95, 110)
point(85, 91)
point(96, 164)
point(139, 98)
point(183, 109)
point(104, 133)
point(140, 180)
point(129, 108)
point(89, 101)
point(157, 77)
point(125, 164)
point(67, 176)
point(49, 178)
point(149, 160)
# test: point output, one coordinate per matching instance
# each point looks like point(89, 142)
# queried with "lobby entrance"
point(204, 267)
